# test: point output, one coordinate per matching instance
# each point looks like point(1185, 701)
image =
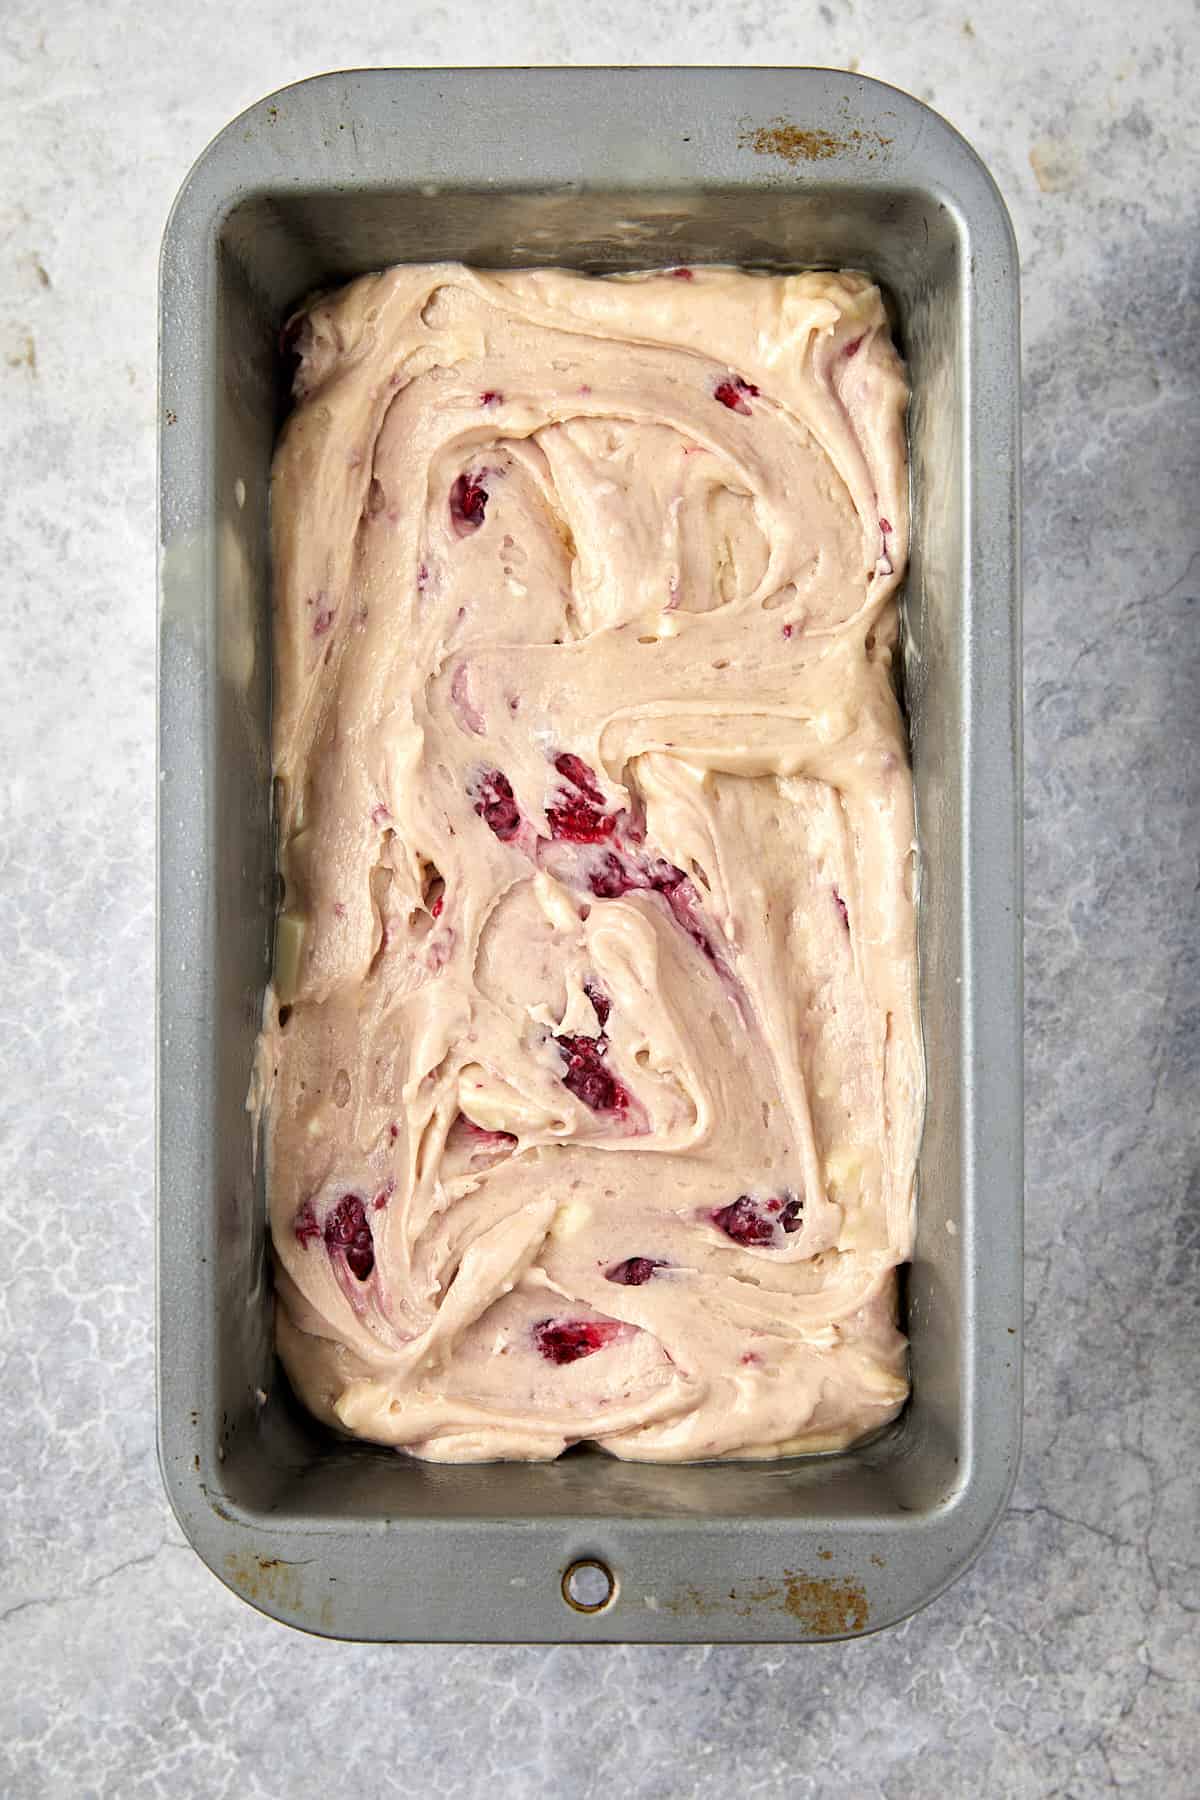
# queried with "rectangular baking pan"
point(598, 169)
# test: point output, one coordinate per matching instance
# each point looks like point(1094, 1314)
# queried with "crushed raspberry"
point(492, 397)
point(579, 822)
point(628, 869)
point(664, 877)
point(436, 909)
point(579, 817)
point(635, 1271)
point(682, 898)
point(385, 1193)
point(566, 1341)
point(732, 393)
point(682, 274)
point(842, 908)
point(482, 1135)
point(496, 806)
point(601, 1004)
point(747, 1221)
point(468, 503)
point(853, 347)
point(573, 769)
point(305, 1225)
point(611, 879)
point(347, 1230)
point(744, 1223)
point(617, 875)
point(393, 1131)
point(885, 527)
point(586, 1076)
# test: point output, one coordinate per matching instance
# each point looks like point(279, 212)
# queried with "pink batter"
point(592, 1063)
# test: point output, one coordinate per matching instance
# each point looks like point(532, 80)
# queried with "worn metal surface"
point(601, 169)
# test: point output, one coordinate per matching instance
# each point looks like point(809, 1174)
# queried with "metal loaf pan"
point(604, 170)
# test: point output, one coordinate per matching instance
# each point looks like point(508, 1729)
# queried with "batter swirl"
point(591, 1064)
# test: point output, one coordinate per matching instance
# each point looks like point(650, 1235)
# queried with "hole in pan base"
point(588, 1586)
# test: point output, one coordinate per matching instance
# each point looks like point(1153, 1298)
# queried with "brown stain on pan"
point(798, 143)
point(278, 1586)
point(824, 1605)
point(263, 1577)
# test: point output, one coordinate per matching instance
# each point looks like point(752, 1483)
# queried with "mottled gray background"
point(1067, 1662)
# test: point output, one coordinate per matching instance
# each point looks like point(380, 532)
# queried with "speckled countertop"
point(1068, 1661)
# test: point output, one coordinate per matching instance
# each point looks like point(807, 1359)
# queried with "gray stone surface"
point(1067, 1661)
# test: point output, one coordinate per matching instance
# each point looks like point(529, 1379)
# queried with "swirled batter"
point(592, 1064)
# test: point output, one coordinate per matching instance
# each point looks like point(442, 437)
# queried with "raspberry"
point(732, 393)
point(743, 1222)
point(747, 1221)
point(790, 1218)
point(578, 821)
point(566, 1341)
point(586, 1076)
point(496, 806)
point(347, 1230)
point(601, 1004)
point(572, 768)
point(305, 1225)
point(468, 503)
point(635, 1271)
